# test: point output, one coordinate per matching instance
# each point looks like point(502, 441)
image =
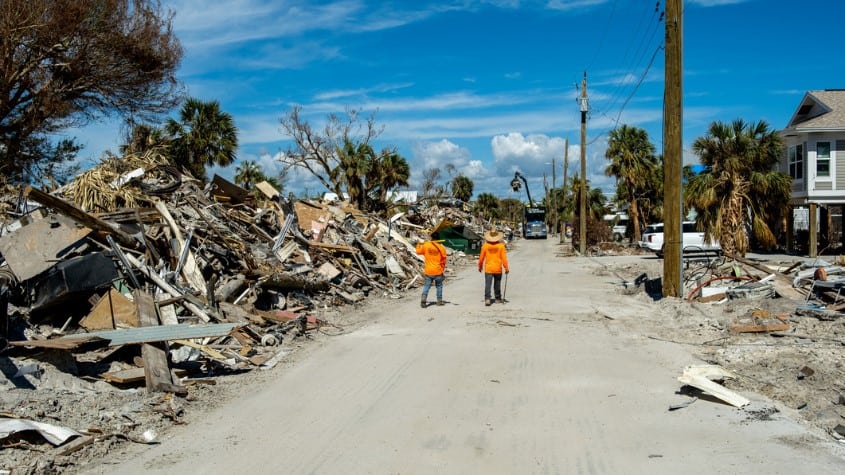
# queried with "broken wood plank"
point(164, 285)
point(76, 445)
point(712, 298)
point(80, 216)
point(72, 342)
point(156, 366)
point(133, 375)
point(698, 377)
point(267, 189)
point(332, 247)
point(190, 271)
point(112, 311)
point(203, 348)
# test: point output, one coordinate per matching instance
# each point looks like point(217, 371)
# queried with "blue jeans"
point(496, 281)
point(438, 284)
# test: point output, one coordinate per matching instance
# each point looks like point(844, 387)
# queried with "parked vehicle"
point(693, 241)
point(618, 223)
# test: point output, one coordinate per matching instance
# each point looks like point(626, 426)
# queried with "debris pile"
point(133, 275)
point(777, 327)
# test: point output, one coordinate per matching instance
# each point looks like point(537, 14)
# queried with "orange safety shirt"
point(435, 257)
point(493, 257)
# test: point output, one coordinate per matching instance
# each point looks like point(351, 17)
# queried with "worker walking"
point(493, 259)
point(435, 265)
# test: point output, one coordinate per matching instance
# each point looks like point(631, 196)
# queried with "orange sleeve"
point(442, 256)
point(482, 256)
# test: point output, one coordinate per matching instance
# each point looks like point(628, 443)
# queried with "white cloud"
point(439, 154)
point(532, 155)
point(568, 5)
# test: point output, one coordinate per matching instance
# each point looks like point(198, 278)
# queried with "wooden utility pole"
point(582, 223)
point(554, 199)
point(673, 152)
point(563, 188)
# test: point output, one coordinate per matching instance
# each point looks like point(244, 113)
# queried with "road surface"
point(542, 384)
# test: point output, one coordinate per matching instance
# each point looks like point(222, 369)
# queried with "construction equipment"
point(533, 216)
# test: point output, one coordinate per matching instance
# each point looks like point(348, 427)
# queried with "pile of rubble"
point(135, 275)
point(777, 323)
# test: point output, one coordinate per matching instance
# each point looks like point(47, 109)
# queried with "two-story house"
point(814, 157)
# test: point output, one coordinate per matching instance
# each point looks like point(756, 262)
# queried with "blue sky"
point(490, 86)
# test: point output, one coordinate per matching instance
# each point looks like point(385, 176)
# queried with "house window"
point(823, 159)
point(796, 162)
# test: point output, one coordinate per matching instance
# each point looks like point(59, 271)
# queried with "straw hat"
point(493, 235)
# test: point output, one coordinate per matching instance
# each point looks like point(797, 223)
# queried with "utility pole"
point(554, 199)
point(563, 187)
point(673, 152)
point(582, 224)
point(548, 202)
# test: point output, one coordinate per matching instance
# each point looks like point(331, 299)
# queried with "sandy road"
point(542, 384)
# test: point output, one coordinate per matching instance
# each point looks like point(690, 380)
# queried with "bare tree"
point(340, 154)
point(430, 185)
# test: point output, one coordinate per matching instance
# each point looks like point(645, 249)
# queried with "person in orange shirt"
point(493, 259)
point(435, 265)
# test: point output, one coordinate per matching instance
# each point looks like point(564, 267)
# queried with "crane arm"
point(516, 186)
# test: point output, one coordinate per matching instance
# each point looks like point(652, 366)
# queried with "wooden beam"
point(156, 367)
point(81, 216)
point(190, 270)
point(698, 377)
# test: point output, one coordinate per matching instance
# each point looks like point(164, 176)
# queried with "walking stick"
point(505, 290)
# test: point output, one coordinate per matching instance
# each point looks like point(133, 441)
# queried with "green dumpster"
point(460, 238)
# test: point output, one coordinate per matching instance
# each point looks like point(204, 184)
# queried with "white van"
point(652, 239)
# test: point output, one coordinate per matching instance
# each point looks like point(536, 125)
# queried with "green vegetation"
point(739, 193)
point(633, 163)
point(203, 136)
point(67, 62)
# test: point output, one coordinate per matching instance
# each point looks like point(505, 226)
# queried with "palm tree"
point(633, 163)
point(248, 173)
point(389, 171)
point(354, 162)
point(462, 187)
point(738, 186)
point(203, 136)
point(486, 205)
point(511, 210)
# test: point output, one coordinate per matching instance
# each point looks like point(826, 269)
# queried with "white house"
point(814, 157)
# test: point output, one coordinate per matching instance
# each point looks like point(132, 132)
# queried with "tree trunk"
point(732, 236)
point(635, 216)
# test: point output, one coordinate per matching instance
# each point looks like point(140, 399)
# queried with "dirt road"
point(544, 383)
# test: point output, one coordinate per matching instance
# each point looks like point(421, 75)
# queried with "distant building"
point(409, 197)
